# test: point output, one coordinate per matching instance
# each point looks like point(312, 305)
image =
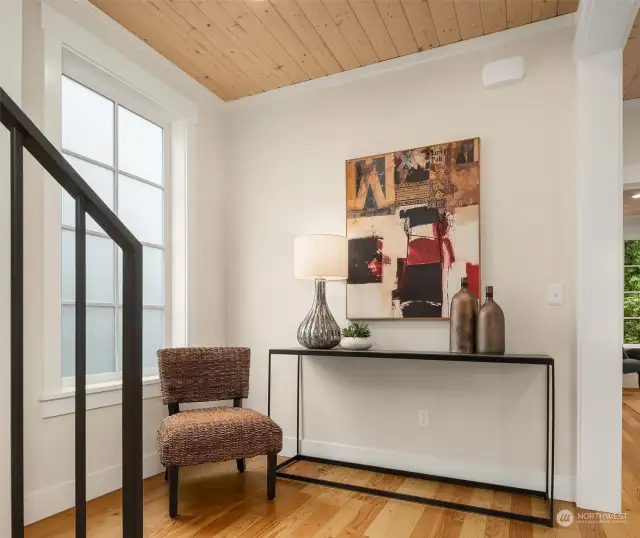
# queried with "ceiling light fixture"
point(637, 195)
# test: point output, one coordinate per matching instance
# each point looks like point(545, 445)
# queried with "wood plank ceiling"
point(631, 61)
point(238, 48)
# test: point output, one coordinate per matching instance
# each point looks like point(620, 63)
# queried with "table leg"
point(298, 407)
point(269, 389)
point(547, 482)
point(553, 432)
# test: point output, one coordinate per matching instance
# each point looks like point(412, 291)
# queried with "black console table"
point(540, 360)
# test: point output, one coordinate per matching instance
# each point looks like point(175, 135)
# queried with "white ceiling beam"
point(603, 26)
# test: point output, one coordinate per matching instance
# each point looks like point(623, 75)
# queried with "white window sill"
point(98, 395)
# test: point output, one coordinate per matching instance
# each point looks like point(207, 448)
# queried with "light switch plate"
point(555, 296)
point(423, 418)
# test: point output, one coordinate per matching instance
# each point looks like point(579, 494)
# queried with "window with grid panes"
point(120, 155)
point(632, 292)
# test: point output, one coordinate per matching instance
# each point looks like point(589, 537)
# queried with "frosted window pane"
point(152, 337)
point(87, 122)
point(99, 179)
point(100, 340)
point(100, 268)
point(139, 146)
point(152, 277)
point(140, 208)
point(153, 281)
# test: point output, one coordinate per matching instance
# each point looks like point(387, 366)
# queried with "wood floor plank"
point(474, 526)
point(429, 523)
point(216, 500)
point(397, 519)
point(351, 520)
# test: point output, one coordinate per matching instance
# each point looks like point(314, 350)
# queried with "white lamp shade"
point(320, 256)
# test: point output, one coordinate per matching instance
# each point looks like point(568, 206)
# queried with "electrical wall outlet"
point(423, 418)
point(555, 295)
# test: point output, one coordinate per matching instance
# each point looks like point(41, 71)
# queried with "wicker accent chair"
point(215, 434)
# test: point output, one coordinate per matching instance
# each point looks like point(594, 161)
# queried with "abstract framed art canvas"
point(413, 225)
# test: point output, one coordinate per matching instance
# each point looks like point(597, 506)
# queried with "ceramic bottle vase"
point(462, 320)
point(490, 335)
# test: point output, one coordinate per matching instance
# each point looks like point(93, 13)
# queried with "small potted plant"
point(356, 336)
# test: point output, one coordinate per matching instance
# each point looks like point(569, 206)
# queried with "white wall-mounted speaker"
point(503, 72)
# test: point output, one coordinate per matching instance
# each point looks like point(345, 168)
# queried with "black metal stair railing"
point(25, 135)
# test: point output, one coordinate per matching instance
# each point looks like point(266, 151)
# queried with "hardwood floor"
point(215, 500)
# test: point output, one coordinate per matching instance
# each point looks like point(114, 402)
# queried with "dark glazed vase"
point(462, 320)
point(491, 326)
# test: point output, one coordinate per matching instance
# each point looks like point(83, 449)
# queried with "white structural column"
point(11, 82)
point(602, 31)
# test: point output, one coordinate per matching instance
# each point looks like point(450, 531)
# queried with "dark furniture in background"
point(631, 362)
point(214, 434)
point(540, 360)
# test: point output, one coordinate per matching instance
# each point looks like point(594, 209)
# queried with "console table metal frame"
point(547, 494)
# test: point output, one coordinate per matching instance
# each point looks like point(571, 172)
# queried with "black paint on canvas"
point(363, 252)
point(421, 309)
point(421, 283)
point(417, 216)
point(419, 290)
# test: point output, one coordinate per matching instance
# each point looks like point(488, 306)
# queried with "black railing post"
point(132, 392)
point(25, 135)
point(17, 335)
point(81, 368)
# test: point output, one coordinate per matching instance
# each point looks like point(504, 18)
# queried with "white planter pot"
point(355, 343)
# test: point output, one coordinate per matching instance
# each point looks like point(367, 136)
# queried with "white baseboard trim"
point(423, 463)
point(54, 499)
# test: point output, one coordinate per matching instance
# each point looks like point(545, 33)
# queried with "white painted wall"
point(49, 442)
point(631, 141)
point(599, 265)
point(286, 165)
point(10, 81)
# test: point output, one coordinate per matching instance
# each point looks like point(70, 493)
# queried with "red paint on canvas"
point(423, 250)
point(440, 230)
point(473, 276)
point(376, 268)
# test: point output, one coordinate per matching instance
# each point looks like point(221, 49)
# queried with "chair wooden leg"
point(173, 491)
point(271, 475)
point(242, 465)
point(166, 475)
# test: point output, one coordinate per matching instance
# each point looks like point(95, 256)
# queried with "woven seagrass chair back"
point(203, 374)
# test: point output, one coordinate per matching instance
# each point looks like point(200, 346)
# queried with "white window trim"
point(628, 185)
point(60, 35)
point(99, 395)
